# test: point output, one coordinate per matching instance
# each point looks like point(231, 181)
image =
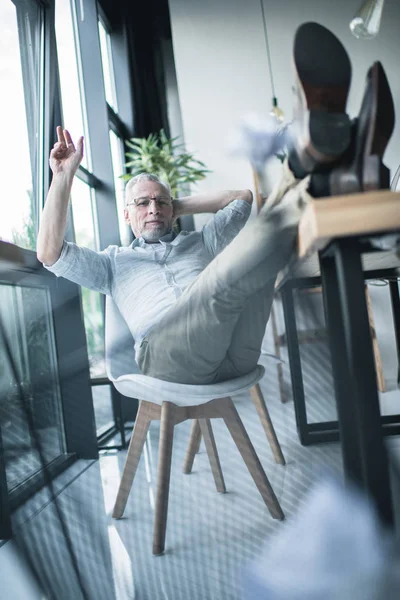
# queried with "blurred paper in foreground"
point(333, 549)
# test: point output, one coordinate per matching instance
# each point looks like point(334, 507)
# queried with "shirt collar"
point(168, 237)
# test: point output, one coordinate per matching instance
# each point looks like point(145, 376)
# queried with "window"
point(83, 199)
point(25, 314)
point(116, 128)
point(20, 119)
point(83, 210)
point(43, 314)
point(107, 65)
point(72, 96)
point(117, 153)
point(85, 227)
point(102, 408)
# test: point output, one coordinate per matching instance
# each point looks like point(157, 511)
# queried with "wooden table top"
point(325, 219)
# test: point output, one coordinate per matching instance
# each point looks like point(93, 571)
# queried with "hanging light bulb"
point(277, 112)
point(367, 20)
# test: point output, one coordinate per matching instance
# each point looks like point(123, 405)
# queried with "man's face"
point(149, 211)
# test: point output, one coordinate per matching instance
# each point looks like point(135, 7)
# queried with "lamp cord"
point(268, 50)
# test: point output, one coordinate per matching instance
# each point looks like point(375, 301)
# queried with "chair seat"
point(159, 391)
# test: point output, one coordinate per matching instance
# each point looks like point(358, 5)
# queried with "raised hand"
point(64, 157)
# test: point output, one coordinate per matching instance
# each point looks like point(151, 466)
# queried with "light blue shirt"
point(145, 280)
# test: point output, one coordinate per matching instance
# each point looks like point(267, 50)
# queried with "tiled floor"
point(211, 537)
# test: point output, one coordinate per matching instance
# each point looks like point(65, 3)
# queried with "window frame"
point(66, 303)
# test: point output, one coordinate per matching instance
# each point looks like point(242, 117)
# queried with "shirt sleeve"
point(225, 225)
point(84, 267)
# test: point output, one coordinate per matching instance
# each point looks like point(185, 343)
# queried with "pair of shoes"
point(343, 156)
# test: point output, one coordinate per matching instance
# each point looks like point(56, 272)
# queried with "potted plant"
point(164, 157)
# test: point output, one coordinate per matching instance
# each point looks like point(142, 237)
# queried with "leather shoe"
point(321, 127)
point(362, 168)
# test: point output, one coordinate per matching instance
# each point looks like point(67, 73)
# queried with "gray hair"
point(145, 177)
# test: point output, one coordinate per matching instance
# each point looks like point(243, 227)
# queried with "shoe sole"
point(323, 79)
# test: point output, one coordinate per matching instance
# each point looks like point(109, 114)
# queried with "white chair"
point(172, 403)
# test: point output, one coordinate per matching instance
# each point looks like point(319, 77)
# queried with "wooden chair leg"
point(193, 447)
point(198, 442)
point(262, 410)
point(239, 434)
point(142, 423)
point(164, 474)
point(209, 441)
point(277, 350)
point(380, 380)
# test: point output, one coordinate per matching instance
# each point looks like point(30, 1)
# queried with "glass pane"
point(108, 73)
point(25, 313)
point(117, 153)
point(315, 355)
point(19, 120)
point(102, 407)
point(82, 202)
point(73, 108)
point(94, 327)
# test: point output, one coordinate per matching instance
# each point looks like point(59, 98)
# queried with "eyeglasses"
point(144, 202)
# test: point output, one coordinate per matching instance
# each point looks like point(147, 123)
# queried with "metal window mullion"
point(88, 178)
point(117, 126)
point(40, 145)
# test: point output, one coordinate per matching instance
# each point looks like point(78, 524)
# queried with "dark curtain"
point(147, 24)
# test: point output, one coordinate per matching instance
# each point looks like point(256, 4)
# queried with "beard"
point(153, 234)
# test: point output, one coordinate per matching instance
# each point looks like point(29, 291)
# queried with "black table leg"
point(362, 392)
point(295, 363)
point(395, 299)
point(347, 421)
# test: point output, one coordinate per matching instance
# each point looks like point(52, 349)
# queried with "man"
point(196, 303)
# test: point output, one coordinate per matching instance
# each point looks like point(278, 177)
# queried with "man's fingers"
point(79, 145)
point(68, 139)
point(60, 134)
point(64, 148)
point(59, 148)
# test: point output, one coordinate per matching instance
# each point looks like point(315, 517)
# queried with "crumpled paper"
point(334, 549)
point(258, 138)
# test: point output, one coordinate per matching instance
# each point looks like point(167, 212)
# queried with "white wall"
point(222, 69)
point(222, 73)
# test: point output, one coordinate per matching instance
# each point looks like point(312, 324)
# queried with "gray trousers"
point(215, 330)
